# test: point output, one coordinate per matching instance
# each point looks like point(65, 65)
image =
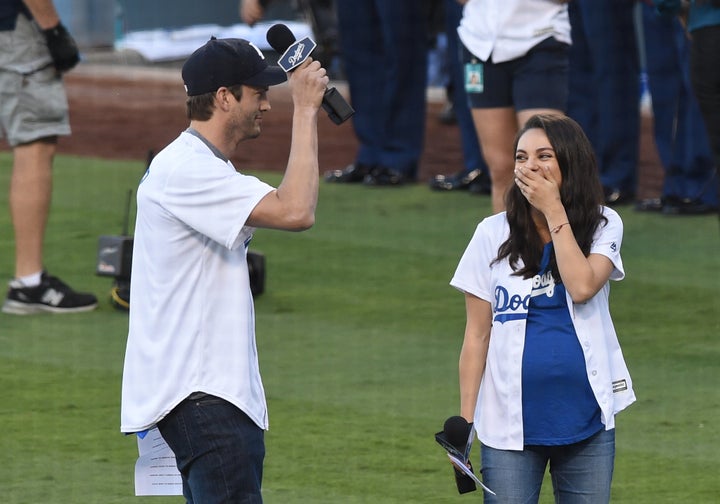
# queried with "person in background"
point(36, 50)
point(702, 22)
point(191, 365)
point(515, 56)
point(474, 176)
point(252, 11)
point(384, 51)
point(690, 185)
point(541, 372)
point(605, 90)
point(320, 14)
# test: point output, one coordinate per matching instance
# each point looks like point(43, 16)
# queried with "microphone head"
point(457, 430)
point(280, 37)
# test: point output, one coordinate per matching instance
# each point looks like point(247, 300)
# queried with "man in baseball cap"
point(191, 366)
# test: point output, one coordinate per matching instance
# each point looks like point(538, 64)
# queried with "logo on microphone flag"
point(296, 53)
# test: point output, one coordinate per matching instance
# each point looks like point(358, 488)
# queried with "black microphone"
point(295, 52)
point(454, 438)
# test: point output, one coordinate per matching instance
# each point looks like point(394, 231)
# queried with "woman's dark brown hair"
point(581, 194)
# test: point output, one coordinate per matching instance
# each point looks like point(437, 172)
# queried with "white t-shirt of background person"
point(498, 416)
point(191, 322)
point(508, 29)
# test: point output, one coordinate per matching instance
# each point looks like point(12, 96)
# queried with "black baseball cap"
point(227, 62)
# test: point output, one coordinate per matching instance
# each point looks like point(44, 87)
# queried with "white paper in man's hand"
point(156, 470)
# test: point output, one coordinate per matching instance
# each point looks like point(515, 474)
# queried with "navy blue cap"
point(227, 62)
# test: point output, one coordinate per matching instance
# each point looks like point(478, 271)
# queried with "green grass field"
point(359, 335)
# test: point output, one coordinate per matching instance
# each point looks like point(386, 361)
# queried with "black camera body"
point(114, 259)
point(114, 256)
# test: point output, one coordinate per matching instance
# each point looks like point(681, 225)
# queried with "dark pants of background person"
point(604, 86)
point(219, 451)
point(472, 155)
point(680, 135)
point(705, 78)
point(384, 46)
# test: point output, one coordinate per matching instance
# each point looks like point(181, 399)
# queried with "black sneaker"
point(351, 174)
point(52, 295)
point(384, 176)
point(476, 181)
point(617, 197)
point(687, 206)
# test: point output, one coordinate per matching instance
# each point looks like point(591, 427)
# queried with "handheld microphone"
point(455, 438)
point(293, 53)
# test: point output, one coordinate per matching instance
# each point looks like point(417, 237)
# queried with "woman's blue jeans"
point(219, 451)
point(580, 472)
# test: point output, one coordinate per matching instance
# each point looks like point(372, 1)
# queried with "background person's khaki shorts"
point(33, 103)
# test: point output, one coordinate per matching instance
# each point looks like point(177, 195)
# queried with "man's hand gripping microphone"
point(293, 53)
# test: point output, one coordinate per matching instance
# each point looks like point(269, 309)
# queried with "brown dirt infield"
point(123, 113)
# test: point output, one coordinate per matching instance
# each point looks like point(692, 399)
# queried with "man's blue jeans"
point(219, 451)
point(580, 472)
